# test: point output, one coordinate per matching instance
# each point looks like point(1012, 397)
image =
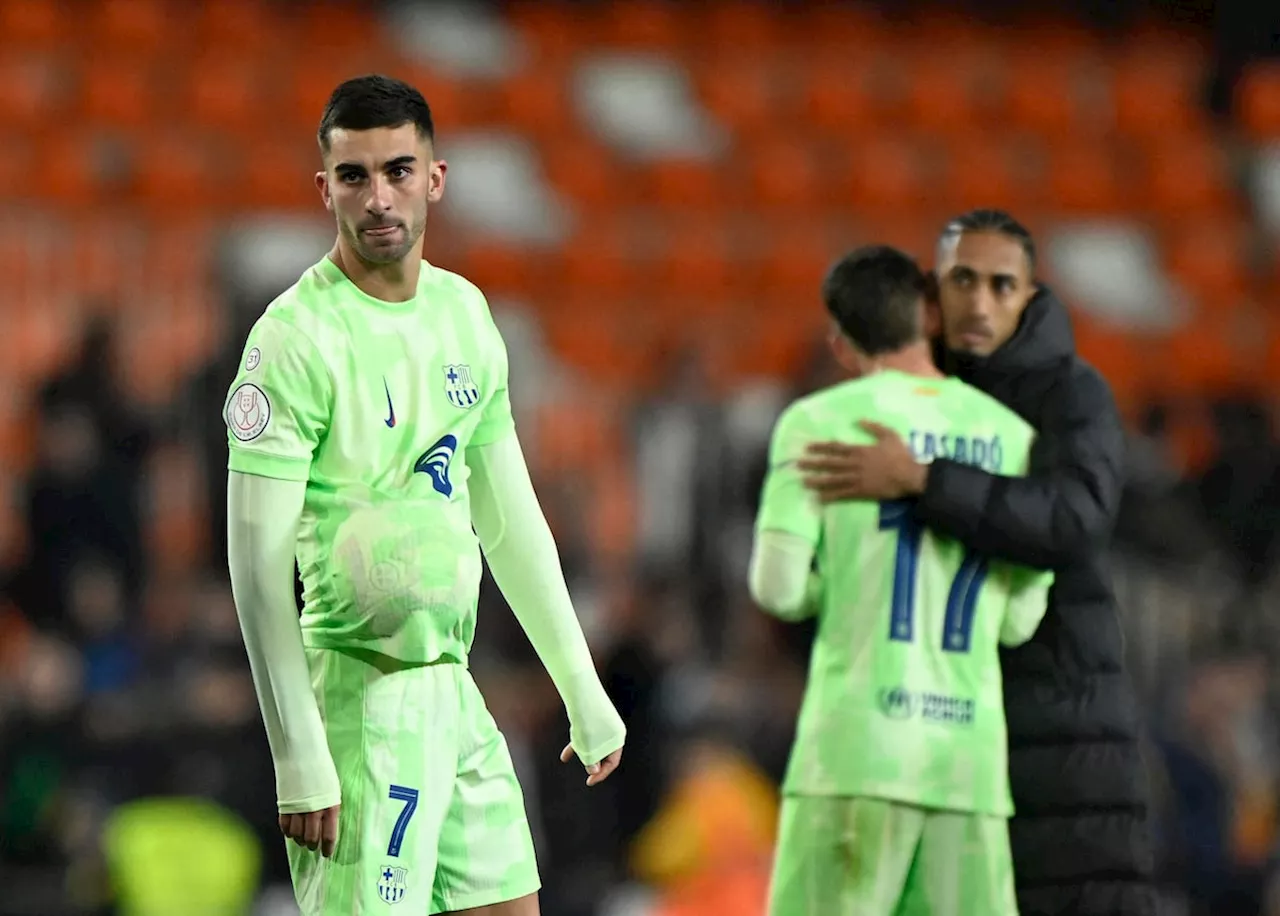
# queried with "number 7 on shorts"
point(410, 799)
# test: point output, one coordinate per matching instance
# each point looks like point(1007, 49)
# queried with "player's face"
point(378, 184)
point(984, 284)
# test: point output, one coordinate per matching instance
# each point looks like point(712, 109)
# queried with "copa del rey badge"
point(248, 412)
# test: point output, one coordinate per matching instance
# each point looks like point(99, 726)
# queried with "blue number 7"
point(962, 600)
point(410, 799)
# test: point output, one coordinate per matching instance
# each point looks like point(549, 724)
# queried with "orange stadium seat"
point(610, 348)
point(1157, 91)
point(1085, 178)
point(654, 25)
point(1043, 94)
point(740, 90)
point(791, 262)
point(119, 92)
point(885, 172)
point(1257, 100)
point(553, 30)
point(1118, 355)
point(224, 90)
point(34, 24)
point(786, 175)
point(279, 174)
point(245, 26)
point(73, 173)
point(599, 262)
point(1187, 175)
point(31, 89)
point(585, 172)
point(984, 172)
point(1208, 259)
point(537, 101)
point(175, 170)
point(840, 95)
point(17, 163)
point(504, 270)
point(745, 26)
point(684, 185)
point(840, 28)
point(329, 27)
point(1197, 359)
point(945, 92)
point(696, 269)
point(131, 26)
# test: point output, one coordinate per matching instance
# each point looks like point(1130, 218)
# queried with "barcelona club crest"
point(460, 388)
point(392, 883)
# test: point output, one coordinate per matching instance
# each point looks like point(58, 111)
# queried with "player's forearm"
point(525, 564)
point(781, 578)
point(262, 525)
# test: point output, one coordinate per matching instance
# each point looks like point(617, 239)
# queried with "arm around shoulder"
point(1066, 504)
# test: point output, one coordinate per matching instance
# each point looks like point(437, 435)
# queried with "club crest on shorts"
point(393, 883)
point(460, 388)
point(248, 412)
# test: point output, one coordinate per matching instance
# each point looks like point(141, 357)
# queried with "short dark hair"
point(874, 293)
point(369, 102)
point(988, 220)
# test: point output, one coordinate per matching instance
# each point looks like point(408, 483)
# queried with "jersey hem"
point(508, 892)
point(273, 466)
point(902, 798)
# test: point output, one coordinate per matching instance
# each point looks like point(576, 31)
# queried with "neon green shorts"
point(880, 858)
point(432, 815)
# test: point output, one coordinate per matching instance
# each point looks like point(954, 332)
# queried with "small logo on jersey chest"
point(393, 883)
point(435, 462)
point(459, 387)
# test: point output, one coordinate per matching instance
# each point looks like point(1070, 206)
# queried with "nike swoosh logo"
point(391, 410)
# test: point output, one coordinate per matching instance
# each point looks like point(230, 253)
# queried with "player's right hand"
point(596, 772)
point(314, 829)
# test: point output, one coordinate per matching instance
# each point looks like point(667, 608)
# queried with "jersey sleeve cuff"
point(273, 466)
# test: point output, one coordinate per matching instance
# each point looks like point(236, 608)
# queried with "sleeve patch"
point(248, 412)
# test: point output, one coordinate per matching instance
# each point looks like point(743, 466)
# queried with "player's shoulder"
point(978, 403)
point(813, 410)
point(453, 287)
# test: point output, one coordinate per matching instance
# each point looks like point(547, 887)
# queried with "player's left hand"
point(596, 772)
point(886, 469)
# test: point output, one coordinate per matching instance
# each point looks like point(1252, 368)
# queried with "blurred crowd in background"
point(649, 194)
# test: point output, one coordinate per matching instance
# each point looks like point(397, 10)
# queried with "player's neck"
point(394, 282)
point(914, 359)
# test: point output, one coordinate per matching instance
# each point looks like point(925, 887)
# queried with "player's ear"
point(931, 320)
point(435, 181)
point(322, 185)
point(843, 351)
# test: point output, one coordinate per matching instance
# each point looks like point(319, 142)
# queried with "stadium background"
point(649, 194)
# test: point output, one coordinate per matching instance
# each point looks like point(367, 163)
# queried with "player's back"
point(904, 699)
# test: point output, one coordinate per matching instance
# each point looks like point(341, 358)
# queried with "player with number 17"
point(896, 796)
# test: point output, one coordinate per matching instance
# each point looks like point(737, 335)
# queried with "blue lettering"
point(979, 456)
point(930, 446)
point(962, 450)
point(997, 454)
point(913, 439)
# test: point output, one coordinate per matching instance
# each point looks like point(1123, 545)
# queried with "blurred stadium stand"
point(649, 192)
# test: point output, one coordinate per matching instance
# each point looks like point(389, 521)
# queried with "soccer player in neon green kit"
point(370, 432)
point(896, 796)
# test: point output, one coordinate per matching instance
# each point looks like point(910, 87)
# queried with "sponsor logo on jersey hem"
point(900, 703)
point(248, 412)
point(459, 387)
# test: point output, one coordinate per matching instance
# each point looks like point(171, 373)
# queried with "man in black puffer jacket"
point(1081, 843)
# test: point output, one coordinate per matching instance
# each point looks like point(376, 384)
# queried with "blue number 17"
point(962, 600)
